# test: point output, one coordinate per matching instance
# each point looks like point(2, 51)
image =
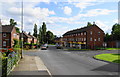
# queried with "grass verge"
point(115, 58)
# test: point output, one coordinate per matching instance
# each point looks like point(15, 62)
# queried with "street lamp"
point(22, 30)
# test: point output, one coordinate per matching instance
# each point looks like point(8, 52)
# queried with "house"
point(34, 39)
point(8, 35)
point(26, 38)
point(88, 37)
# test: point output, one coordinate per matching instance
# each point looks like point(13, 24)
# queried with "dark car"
point(59, 47)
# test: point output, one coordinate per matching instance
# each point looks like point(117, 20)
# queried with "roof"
point(32, 36)
point(7, 28)
point(80, 30)
point(25, 34)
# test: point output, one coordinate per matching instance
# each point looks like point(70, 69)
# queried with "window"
point(84, 33)
point(84, 39)
point(4, 34)
point(95, 40)
point(90, 39)
point(81, 33)
point(98, 32)
point(91, 32)
point(15, 35)
point(4, 43)
point(98, 39)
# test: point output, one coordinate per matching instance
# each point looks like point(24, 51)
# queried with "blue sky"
point(61, 17)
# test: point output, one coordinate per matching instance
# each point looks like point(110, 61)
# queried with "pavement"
point(30, 65)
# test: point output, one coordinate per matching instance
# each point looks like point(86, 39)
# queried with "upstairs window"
point(99, 33)
point(91, 32)
point(4, 35)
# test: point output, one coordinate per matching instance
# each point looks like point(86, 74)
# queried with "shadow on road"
point(108, 67)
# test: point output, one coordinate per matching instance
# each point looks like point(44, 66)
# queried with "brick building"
point(28, 39)
point(88, 37)
point(8, 35)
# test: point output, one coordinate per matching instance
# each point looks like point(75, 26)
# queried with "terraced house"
point(88, 37)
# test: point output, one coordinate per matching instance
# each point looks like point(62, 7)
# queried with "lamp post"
point(22, 30)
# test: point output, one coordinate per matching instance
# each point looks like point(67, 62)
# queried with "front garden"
point(9, 58)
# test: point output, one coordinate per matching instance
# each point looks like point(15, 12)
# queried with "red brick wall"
point(7, 39)
point(95, 35)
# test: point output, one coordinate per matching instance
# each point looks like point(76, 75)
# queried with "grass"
point(112, 48)
point(115, 58)
point(77, 49)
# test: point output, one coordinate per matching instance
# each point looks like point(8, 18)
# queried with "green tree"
point(116, 31)
point(89, 24)
point(17, 30)
point(44, 32)
point(40, 35)
point(49, 36)
point(35, 31)
point(12, 22)
point(107, 37)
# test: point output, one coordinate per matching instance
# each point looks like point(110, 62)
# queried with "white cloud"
point(83, 5)
point(103, 26)
point(67, 10)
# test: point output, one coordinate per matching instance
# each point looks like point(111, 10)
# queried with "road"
point(60, 62)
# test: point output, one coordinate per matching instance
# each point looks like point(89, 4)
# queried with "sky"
point(60, 16)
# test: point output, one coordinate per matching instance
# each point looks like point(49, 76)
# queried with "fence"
point(9, 62)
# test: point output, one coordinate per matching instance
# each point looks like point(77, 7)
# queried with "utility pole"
point(22, 29)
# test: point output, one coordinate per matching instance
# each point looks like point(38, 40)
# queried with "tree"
point(40, 35)
point(44, 32)
point(29, 33)
point(17, 30)
point(49, 36)
point(35, 31)
point(107, 37)
point(12, 22)
point(89, 24)
point(116, 31)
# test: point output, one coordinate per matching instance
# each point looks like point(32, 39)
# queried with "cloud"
point(83, 5)
point(67, 10)
point(103, 26)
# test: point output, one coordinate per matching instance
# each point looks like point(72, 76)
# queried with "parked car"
point(43, 47)
point(59, 47)
point(46, 45)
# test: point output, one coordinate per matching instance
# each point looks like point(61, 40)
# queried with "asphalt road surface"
point(60, 62)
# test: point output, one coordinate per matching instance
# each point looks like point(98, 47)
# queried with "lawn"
point(115, 58)
point(112, 48)
point(77, 49)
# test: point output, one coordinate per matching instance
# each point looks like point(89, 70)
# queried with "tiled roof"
point(7, 28)
point(80, 30)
